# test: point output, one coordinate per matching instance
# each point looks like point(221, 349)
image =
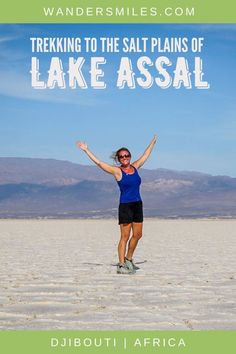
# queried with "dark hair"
point(115, 154)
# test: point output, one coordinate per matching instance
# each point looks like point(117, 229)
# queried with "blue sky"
point(196, 128)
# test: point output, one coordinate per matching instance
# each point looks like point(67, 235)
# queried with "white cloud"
point(7, 39)
point(17, 85)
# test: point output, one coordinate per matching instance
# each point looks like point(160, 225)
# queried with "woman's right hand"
point(81, 145)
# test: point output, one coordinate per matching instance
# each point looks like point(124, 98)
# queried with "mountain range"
point(47, 188)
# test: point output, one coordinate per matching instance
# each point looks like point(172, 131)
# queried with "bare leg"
point(137, 228)
point(124, 238)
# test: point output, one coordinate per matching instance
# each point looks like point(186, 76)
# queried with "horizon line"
point(92, 165)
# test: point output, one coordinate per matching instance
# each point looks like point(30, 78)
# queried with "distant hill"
point(51, 188)
point(54, 172)
point(46, 171)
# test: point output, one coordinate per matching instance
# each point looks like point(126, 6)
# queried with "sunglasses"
point(123, 156)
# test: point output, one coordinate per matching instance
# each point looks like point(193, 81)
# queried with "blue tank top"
point(129, 187)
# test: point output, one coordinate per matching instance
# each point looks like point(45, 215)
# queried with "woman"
point(130, 207)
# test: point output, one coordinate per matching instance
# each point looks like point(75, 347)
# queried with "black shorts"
point(130, 212)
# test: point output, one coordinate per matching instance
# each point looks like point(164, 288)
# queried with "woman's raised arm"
point(115, 171)
point(138, 163)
